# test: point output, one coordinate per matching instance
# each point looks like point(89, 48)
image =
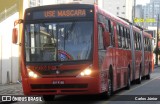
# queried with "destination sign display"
point(65, 13)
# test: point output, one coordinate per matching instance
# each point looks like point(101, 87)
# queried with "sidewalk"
point(11, 89)
point(155, 66)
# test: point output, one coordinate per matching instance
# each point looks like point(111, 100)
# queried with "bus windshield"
point(58, 41)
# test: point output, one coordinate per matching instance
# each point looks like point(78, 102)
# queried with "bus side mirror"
point(14, 35)
point(15, 31)
point(106, 35)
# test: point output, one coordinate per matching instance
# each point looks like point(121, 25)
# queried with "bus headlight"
point(32, 74)
point(86, 72)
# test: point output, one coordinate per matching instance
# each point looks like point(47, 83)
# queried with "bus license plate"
point(58, 82)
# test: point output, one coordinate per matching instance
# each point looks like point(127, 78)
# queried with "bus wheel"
point(140, 78)
point(149, 72)
point(109, 92)
point(128, 81)
point(48, 97)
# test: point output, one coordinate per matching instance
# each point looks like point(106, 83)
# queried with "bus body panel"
point(72, 86)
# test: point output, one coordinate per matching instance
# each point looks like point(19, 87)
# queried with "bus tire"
point(128, 80)
point(48, 97)
point(107, 94)
point(140, 78)
point(149, 73)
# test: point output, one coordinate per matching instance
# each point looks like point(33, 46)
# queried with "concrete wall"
point(10, 10)
point(9, 53)
point(129, 9)
point(0, 59)
point(121, 8)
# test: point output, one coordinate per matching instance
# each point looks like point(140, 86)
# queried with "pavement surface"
point(11, 89)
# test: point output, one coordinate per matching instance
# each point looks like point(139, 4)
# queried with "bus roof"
point(60, 6)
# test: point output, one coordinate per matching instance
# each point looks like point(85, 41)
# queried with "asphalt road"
point(138, 94)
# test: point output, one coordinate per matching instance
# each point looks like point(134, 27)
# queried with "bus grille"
point(52, 86)
point(61, 72)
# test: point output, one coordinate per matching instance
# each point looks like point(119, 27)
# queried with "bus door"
point(110, 27)
point(101, 57)
point(105, 52)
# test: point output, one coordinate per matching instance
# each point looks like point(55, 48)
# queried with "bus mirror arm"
point(102, 25)
point(19, 21)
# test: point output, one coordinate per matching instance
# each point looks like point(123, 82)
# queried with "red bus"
point(70, 49)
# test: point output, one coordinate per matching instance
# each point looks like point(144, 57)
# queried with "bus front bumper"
point(60, 86)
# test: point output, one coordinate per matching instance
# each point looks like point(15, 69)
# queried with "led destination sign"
point(65, 13)
point(62, 13)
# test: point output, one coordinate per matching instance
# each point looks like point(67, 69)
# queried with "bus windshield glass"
point(58, 41)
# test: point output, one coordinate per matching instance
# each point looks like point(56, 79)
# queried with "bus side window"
point(100, 18)
point(144, 44)
point(117, 30)
point(100, 38)
point(128, 39)
point(107, 25)
point(110, 28)
point(124, 38)
point(135, 41)
point(137, 44)
point(147, 44)
point(112, 37)
point(140, 45)
point(150, 49)
point(119, 36)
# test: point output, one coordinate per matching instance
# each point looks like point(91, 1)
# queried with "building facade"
point(11, 10)
point(49, 2)
point(139, 15)
point(150, 13)
point(121, 8)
